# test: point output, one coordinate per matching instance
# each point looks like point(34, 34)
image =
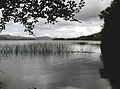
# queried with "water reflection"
point(52, 65)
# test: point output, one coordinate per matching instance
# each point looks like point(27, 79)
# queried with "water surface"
point(51, 65)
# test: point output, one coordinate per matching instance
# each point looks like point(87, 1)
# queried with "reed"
point(44, 48)
point(36, 48)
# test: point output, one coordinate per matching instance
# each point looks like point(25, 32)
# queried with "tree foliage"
point(28, 12)
point(105, 13)
point(110, 45)
point(111, 18)
point(111, 13)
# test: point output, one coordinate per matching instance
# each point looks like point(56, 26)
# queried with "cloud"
point(62, 29)
point(65, 32)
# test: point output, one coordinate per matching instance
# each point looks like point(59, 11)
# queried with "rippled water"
point(51, 65)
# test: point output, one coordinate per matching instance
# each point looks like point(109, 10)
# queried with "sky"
point(88, 15)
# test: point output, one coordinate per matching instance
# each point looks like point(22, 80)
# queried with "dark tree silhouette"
point(27, 12)
point(110, 46)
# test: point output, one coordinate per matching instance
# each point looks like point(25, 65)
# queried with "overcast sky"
point(88, 15)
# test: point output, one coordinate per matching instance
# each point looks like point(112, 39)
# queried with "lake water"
point(51, 65)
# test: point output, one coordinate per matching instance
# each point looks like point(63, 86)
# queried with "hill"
point(9, 37)
point(96, 36)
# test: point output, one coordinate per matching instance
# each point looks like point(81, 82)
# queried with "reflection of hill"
point(96, 36)
point(9, 37)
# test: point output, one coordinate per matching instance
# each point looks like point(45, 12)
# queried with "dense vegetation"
point(110, 42)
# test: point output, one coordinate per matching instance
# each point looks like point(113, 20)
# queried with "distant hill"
point(43, 38)
point(96, 36)
point(9, 37)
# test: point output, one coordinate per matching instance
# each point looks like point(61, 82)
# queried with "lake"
point(51, 65)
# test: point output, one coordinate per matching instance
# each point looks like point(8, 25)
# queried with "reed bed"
point(36, 48)
point(44, 48)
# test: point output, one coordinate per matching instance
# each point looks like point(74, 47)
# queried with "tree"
point(27, 12)
point(110, 46)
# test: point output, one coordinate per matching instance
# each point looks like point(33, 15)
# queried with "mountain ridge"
point(95, 36)
point(10, 37)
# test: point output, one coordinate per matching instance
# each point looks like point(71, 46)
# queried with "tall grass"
point(45, 48)
point(35, 48)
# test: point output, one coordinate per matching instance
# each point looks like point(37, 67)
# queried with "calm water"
point(51, 65)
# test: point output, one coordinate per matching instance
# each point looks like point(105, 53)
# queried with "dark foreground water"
point(51, 65)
